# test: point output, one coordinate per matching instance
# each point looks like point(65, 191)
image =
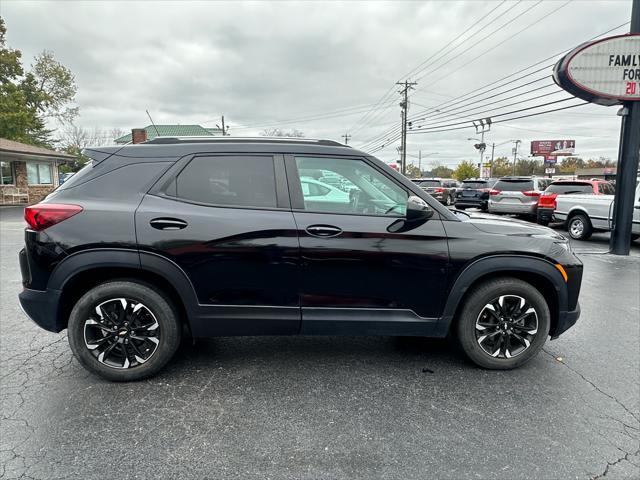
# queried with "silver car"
point(517, 195)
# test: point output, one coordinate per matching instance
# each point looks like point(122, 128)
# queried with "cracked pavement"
point(331, 407)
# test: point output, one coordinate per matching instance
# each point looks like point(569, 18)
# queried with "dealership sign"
point(605, 71)
point(552, 148)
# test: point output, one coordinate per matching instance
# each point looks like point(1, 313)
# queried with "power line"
point(490, 85)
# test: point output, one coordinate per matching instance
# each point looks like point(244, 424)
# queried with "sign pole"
point(628, 155)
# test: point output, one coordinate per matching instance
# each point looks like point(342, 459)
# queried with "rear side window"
point(606, 189)
point(569, 187)
point(242, 181)
point(78, 177)
point(514, 185)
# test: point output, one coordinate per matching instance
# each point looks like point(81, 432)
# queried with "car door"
point(357, 275)
point(225, 221)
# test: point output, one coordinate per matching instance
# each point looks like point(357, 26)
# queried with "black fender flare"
point(496, 264)
point(125, 258)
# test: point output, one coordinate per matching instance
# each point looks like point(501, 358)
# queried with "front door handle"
point(168, 223)
point(323, 231)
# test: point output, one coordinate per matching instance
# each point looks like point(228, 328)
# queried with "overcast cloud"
point(261, 63)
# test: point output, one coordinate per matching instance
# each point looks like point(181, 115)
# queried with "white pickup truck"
point(584, 214)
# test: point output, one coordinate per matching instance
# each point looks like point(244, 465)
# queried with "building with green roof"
point(172, 131)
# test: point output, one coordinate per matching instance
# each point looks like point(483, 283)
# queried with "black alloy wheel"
point(124, 330)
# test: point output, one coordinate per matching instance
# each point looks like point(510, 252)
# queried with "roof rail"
point(212, 139)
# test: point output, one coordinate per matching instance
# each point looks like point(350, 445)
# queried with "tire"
point(149, 334)
point(449, 201)
point(460, 208)
point(533, 327)
point(635, 237)
point(579, 227)
point(543, 222)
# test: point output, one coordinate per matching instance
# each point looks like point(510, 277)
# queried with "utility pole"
point(346, 137)
point(627, 171)
point(404, 105)
point(515, 155)
point(420, 161)
point(223, 128)
point(482, 126)
point(493, 149)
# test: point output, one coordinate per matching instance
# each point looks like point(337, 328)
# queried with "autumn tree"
point(31, 99)
point(277, 132)
point(466, 169)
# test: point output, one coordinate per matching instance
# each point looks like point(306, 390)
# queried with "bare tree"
point(277, 132)
point(116, 132)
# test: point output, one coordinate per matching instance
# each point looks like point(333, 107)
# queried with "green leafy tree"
point(29, 99)
point(441, 171)
point(466, 169)
point(413, 172)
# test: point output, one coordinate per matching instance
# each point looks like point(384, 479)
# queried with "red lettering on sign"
point(631, 88)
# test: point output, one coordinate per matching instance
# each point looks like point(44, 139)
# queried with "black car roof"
point(172, 147)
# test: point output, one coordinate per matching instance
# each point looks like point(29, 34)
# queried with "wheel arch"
point(80, 272)
point(538, 272)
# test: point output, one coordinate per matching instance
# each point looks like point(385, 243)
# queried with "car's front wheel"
point(503, 323)
point(123, 330)
point(449, 201)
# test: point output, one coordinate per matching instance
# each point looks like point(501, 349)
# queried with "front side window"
point(39, 173)
point(241, 181)
point(349, 186)
point(6, 169)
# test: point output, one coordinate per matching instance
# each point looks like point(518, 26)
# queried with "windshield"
point(428, 183)
point(569, 187)
point(475, 184)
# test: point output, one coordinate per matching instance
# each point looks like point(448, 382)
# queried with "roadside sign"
point(605, 71)
point(550, 160)
point(550, 171)
point(551, 148)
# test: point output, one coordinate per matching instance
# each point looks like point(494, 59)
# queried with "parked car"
point(219, 237)
point(63, 177)
point(547, 201)
point(316, 192)
point(442, 189)
point(517, 195)
point(584, 214)
point(474, 193)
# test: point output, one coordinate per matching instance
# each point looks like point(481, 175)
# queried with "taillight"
point(548, 201)
point(45, 215)
point(493, 191)
point(439, 189)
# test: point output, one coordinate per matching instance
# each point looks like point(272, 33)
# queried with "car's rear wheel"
point(448, 201)
point(579, 227)
point(123, 330)
point(503, 324)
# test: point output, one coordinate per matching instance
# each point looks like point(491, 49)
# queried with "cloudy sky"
point(326, 68)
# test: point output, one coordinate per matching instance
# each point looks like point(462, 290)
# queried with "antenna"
point(154, 125)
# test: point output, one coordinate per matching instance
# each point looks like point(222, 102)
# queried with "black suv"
point(474, 193)
point(218, 237)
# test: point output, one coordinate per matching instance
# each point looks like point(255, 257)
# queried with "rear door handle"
point(323, 231)
point(168, 223)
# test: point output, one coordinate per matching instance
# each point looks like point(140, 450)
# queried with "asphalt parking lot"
point(331, 407)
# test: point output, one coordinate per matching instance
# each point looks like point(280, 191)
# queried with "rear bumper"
point(545, 214)
point(42, 307)
point(471, 202)
point(499, 207)
point(566, 320)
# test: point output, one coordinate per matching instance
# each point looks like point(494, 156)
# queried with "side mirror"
point(418, 209)
point(418, 212)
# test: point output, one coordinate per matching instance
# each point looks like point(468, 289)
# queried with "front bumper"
point(41, 306)
point(566, 320)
